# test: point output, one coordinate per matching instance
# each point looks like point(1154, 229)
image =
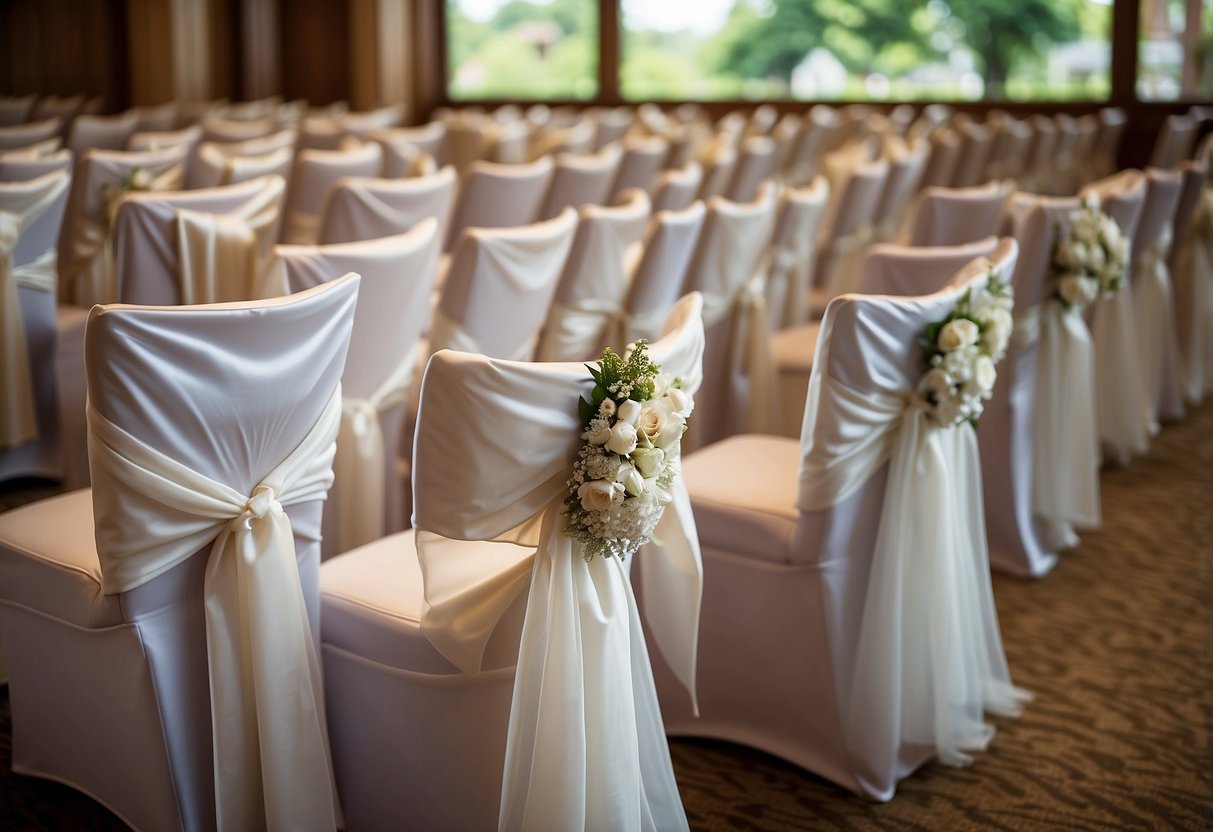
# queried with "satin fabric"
point(665, 255)
point(787, 269)
point(929, 658)
point(586, 747)
point(1193, 285)
point(21, 207)
point(360, 208)
point(498, 196)
point(315, 174)
point(1154, 320)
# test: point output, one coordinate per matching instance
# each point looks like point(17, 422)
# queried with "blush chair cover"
point(787, 268)
point(1153, 302)
point(363, 208)
point(907, 161)
point(1112, 124)
point(16, 169)
point(581, 180)
point(587, 311)
point(101, 132)
point(675, 189)
point(755, 163)
point(30, 214)
point(955, 216)
point(665, 256)
point(643, 159)
point(888, 269)
point(366, 501)
point(1121, 408)
point(315, 174)
point(738, 373)
point(942, 159)
point(86, 260)
point(1193, 281)
point(179, 641)
point(976, 143)
point(498, 196)
point(499, 287)
point(1009, 152)
point(818, 540)
point(24, 135)
point(848, 227)
point(585, 747)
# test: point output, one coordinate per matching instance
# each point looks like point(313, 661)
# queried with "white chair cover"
point(30, 213)
point(1174, 141)
point(581, 180)
point(217, 128)
point(156, 117)
point(16, 169)
point(86, 264)
point(848, 224)
point(976, 143)
point(942, 160)
point(101, 132)
point(643, 159)
point(15, 109)
point(429, 139)
point(498, 196)
point(906, 165)
point(398, 272)
point(586, 746)
point(315, 174)
point(361, 208)
point(658, 277)
point(718, 158)
point(1009, 152)
point(160, 139)
point(737, 395)
point(1192, 271)
point(214, 167)
point(587, 311)
point(955, 216)
point(1040, 173)
point(364, 123)
point(1112, 123)
point(755, 163)
point(37, 150)
point(24, 135)
point(818, 135)
point(676, 188)
point(1121, 408)
point(787, 268)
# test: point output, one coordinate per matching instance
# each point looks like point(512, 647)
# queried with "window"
point(530, 49)
point(866, 49)
point(1175, 50)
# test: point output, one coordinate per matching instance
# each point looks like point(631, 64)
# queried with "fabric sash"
point(786, 277)
point(271, 757)
point(1194, 300)
point(1155, 324)
point(846, 261)
point(749, 352)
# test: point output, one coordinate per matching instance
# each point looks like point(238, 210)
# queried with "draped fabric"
point(1157, 343)
point(1065, 468)
point(21, 205)
point(586, 746)
point(271, 756)
point(929, 658)
point(1194, 300)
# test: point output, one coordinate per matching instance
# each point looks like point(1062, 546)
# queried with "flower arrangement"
point(137, 178)
point(961, 353)
point(1090, 260)
point(633, 423)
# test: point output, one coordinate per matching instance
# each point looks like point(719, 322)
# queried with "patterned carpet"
point(1116, 643)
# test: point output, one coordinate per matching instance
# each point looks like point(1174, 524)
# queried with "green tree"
point(1000, 32)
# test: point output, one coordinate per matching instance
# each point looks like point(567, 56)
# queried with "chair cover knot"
point(260, 504)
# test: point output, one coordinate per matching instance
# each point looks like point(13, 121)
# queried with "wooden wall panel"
point(316, 50)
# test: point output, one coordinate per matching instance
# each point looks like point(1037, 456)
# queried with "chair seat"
point(743, 491)
point(372, 600)
point(48, 561)
point(793, 349)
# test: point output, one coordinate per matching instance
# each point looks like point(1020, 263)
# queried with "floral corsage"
point(1089, 261)
point(962, 351)
point(633, 423)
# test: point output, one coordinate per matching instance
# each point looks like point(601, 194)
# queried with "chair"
point(1041, 171)
point(587, 308)
point(1112, 124)
point(976, 143)
point(579, 180)
point(362, 124)
point(101, 132)
point(85, 257)
point(942, 159)
point(755, 163)
point(657, 279)
point(315, 174)
point(888, 269)
point(498, 196)
point(1192, 272)
point(217, 128)
point(21, 170)
point(428, 138)
point(675, 188)
point(806, 537)
point(1175, 141)
point(611, 125)
point(367, 499)
point(214, 167)
point(819, 132)
point(363, 208)
point(15, 110)
point(787, 268)
point(955, 216)
point(848, 228)
point(160, 139)
point(907, 162)
point(37, 150)
point(23, 135)
point(643, 159)
point(425, 729)
point(718, 158)
point(30, 214)
point(156, 117)
point(202, 531)
point(738, 375)
point(1009, 152)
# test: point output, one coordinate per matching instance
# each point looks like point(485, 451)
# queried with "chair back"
point(427, 138)
point(579, 180)
point(159, 139)
point(976, 143)
point(363, 208)
point(793, 252)
point(39, 203)
point(942, 160)
point(954, 216)
point(498, 196)
point(1163, 189)
point(669, 244)
point(755, 163)
point(891, 269)
point(23, 135)
point(102, 132)
point(1174, 141)
point(315, 174)
point(643, 159)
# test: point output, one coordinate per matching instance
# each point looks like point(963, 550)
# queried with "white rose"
point(680, 402)
point(937, 381)
point(959, 364)
point(1071, 255)
point(671, 426)
point(141, 180)
point(630, 479)
point(599, 495)
point(998, 332)
point(628, 412)
point(946, 410)
point(956, 334)
point(623, 438)
point(649, 461)
point(652, 420)
point(1110, 232)
point(1072, 289)
point(598, 432)
point(985, 374)
point(1096, 258)
point(661, 383)
point(1085, 231)
point(607, 409)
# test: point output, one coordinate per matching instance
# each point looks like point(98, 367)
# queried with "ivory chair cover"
point(1153, 302)
point(675, 189)
point(15, 110)
point(86, 268)
point(738, 373)
point(809, 538)
point(362, 124)
point(907, 163)
point(1192, 270)
point(212, 432)
point(1062, 161)
point(643, 159)
point(888, 269)
point(579, 180)
point(63, 107)
point(401, 157)
point(214, 167)
point(217, 128)
point(15, 169)
point(976, 144)
point(160, 139)
point(156, 117)
point(363, 208)
point(498, 196)
point(101, 132)
point(610, 126)
point(587, 311)
point(30, 214)
point(1174, 141)
point(23, 135)
point(1112, 123)
point(367, 499)
point(786, 270)
point(1009, 151)
point(1040, 172)
point(37, 150)
point(719, 161)
point(755, 163)
point(315, 174)
point(1082, 169)
point(848, 229)
point(1121, 408)
point(656, 281)
point(322, 132)
point(427, 138)
point(942, 160)
point(574, 139)
point(955, 216)
point(423, 628)
point(818, 135)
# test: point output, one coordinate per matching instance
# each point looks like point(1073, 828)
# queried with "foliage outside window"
point(866, 49)
point(527, 49)
point(1175, 50)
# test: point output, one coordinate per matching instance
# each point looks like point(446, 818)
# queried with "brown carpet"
point(1116, 643)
